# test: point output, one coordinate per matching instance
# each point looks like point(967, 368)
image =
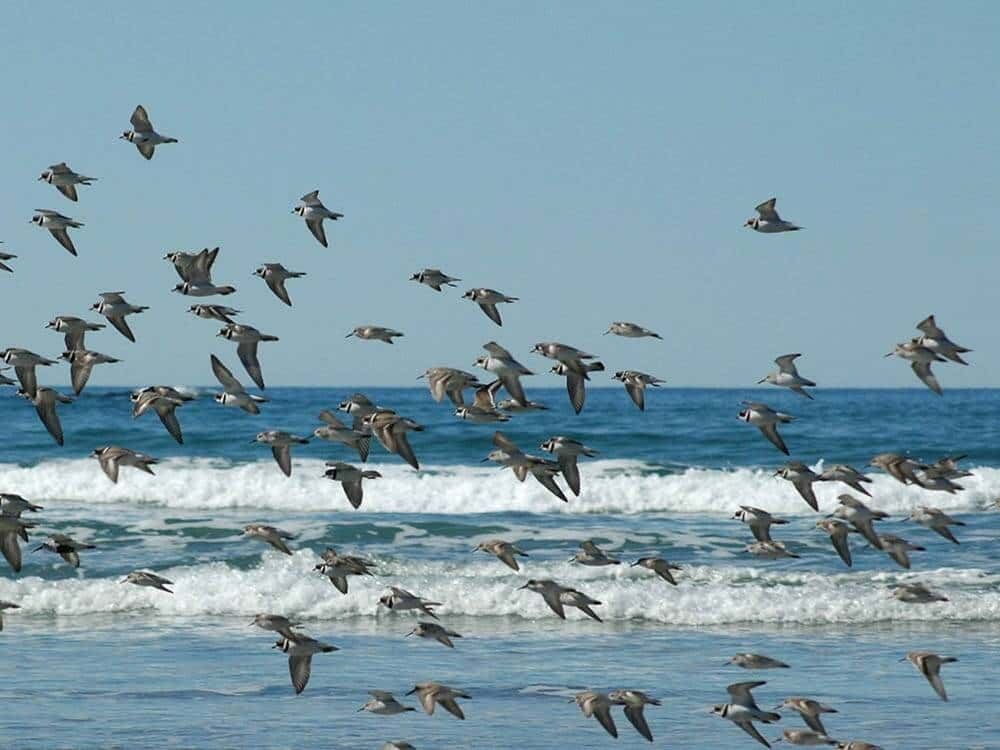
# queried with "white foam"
point(608, 487)
point(483, 588)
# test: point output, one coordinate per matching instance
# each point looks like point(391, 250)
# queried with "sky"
point(595, 160)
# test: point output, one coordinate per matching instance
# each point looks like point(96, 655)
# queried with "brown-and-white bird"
point(163, 400)
point(929, 665)
point(434, 632)
point(112, 457)
point(81, 364)
point(66, 547)
point(301, 649)
point(597, 705)
point(503, 551)
point(634, 702)
point(275, 275)
point(314, 212)
point(488, 299)
point(142, 135)
point(635, 385)
point(281, 443)
point(271, 535)
point(115, 308)
point(57, 225)
point(431, 694)
point(766, 419)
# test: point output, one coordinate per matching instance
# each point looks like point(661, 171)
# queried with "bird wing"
point(28, 379)
point(766, 210)
point(331, 419)
point(316, 227)
point(277, 285)
point(146, 149)
point(577, 391)
point(491, 312)
point(11, 550)
point(549, 482)
point(839, 539)
point(225, 377)
point(513, 385)
point(311, 199)
point(63, 238)
point(247, 352)
point(118, 321)
point(47, 413)
point(109, 463)
point(405, 450)
point(504, 443)
point(140, 120)
point(571, 472)
point(354, 492)
point(637, 391)
point(786, 363)
point(168, 416)
point(923, 371)
point(750, 729)
point(602, 712)
point(741, 695)
point(300, 667)
point(635, 715)
point(68, 190)
point(770, 431)
point(497, 351)
point(551, 597)
point(932, 672)
point(79, 375)
point(283, 455)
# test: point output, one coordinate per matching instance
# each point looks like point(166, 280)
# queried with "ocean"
point(91, 663)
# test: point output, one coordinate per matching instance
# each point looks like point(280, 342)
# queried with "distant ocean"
point(90, 663)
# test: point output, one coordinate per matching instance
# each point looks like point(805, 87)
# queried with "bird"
point(483, 409)
point(769, 550)
point(146, 578)
point(937, 341)
point(917, 593)
point(660, 566)
point(398, 745)
point(335, 431)
point(805, 737)
point(58, 226)
point(337, 567)
point(788, 376)
point(24, 363)
point(4, 380)
point(503, 551)
point(281, 447)
point(271, 535)
point(275, 623)
point(111, 457)
point(66, 547)
point(592, 555)
point(861, 517)
point(435, 632)
point(846, 474)
point(114, 307)
point(506, 453)
point(898, 466)
point(857, 745)
point(73, 329)
point(759, 521)
point(350, 478)
point(5, 257)
point(399, 599)
point(274, 275)
point(142, 134)
point(374, 333)
point(383, 703)
point(635, 385)
point(4, 605)
point(390, 429)
point(564, 354)
point(767, 220)
point(508, 370)
point(13, 506)
point(488, 299)
point(45, 401)
point(433, 693)
point(450, 382)
point(802, 478)
point(897, 548)
point(82, 363)
point(937, 521)
point(300, 649)
point(575, 383)
point(598, 705)
point(756, 661)
point(234, 394)
point(630, 330)
point(313, 211)
point(163, 400)
point(635, 701)
point(557, 597)
point(766, 419)
point(838, 532)
point(743, 709)
point(810, 710)
point(13, 528)
point(64, 179)
point(515, 407)
point(220, 313)
point(247, 338)
point(434, 278)
point(920, 358)
point(567, 451)
point(929, 665)
point(195, 271)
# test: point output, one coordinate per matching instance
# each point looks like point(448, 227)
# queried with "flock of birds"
point(852, 516)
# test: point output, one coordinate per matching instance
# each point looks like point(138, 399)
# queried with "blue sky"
point(596, 160)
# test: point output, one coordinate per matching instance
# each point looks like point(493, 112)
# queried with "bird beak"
point(632, 565)
point(123, 580)
point(762, 380)
point(410, 633)
point(889, 354)
point(522, 587)
point(411, 692)
point(349, 335)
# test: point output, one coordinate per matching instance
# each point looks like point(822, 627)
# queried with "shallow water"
point(93, 663)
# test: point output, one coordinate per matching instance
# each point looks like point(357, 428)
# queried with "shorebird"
point(64, 179)
point(111, 457)
point(383, 703)
point(400, 599)
point(114, 307)
point(756, 661)
point(592, 555)
point(767, 220)
point(450, 382)
point(81, 364)
point(434, 278)
point(743, 709)
point(635, 701)
point(45, 401)
point(337, 567)
point(920, 358)
point(488, 299)
point(508, 370)
point(635, 385)
point(765, 419)
point(788, 376)
point(234, 393)
point(270, 534)
point(247, 338)
point(938, 342)
point(151, 580)
point(431, 694)
point(58, 226)
point(300, 649)
point(848, 475)
point(433, 631)
point(374, 333)
point(659, 566)
point(142, 134)
point(630, 330)
point(503, 551)
point(929, 665)
point(66, 547)
point(810, 710)
point(838, 532)
point(937, 521)
point(281, 447)
point(567, 451)
point(314, 212)
point(759, 521)
point(73, 329)
point(350, 478)
point(335, 431)
point(861, 517)
point(598, 705)
point(802, 479)
point(275, 275)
